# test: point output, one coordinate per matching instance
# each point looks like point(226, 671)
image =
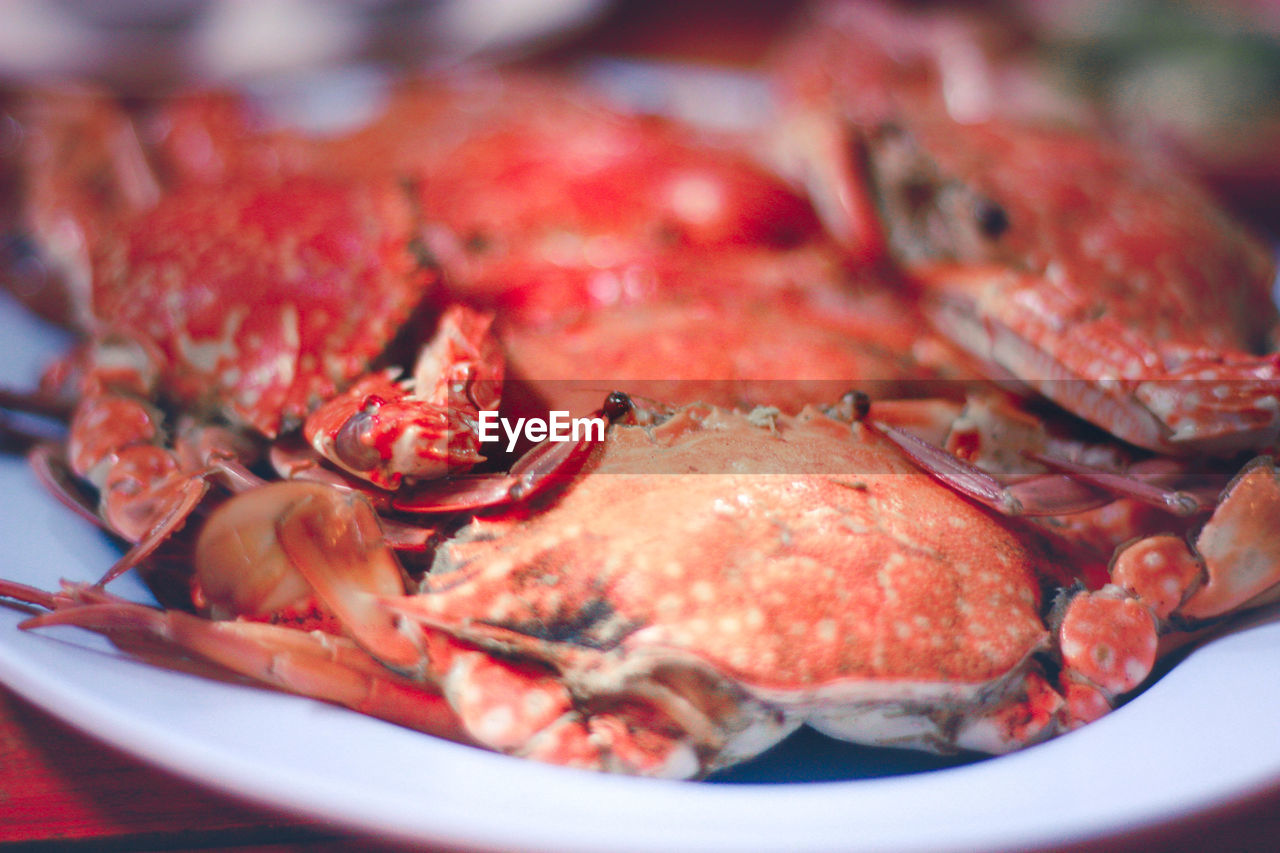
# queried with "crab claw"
point(1109, 639)
point(541, 467)
point(1234, 562)
point(527, 711)
point(423, 428)
point(1108, 644)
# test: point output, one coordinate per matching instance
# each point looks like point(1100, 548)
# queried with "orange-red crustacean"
point(807, 574)
point(1113, 287)
point(238, 312)
point(558, 605)
point(236, 273)
point(1107, 284)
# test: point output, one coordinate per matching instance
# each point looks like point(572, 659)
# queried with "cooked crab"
point(702, 586)
point(1109, 283)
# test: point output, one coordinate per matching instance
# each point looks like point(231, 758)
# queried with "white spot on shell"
point(696, 198)
point(703, 591)
point(536, 703)
point(730, 625)
point(1135, 670)
point(494, 726)
point(669, 603)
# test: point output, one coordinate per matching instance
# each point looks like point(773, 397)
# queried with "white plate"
point(1204, 734)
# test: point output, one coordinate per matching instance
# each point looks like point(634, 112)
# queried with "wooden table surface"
point(62, 790)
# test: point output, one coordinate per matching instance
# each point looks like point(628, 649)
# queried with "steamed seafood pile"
point(794, 497)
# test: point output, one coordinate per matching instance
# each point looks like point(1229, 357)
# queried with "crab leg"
point(1235, 560)
point(1032, 497)
point(816, 149)
point(1083, 488)
point(1001, 436)
point(146, 491)
point(335, 543)
point(312, 664)
point(1232, 563)
point(279, 546)
point(49, 464)
point(172, 495)
point(1108, 639)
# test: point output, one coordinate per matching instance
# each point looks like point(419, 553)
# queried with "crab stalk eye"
point(853, 406)
point(992, 218)
point(861, 404)
point(352, 445)
point(615, 405)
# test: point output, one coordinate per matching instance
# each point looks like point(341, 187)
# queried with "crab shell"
point(260, 300)
point(767, 571)
point(1093, 273)
point(1115, 289)
point(722, 331)
point(1104, 227)
point(540, 195)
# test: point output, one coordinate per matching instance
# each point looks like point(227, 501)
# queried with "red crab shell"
point(573, 204)
point(805, 568)
point(723, 330)
point(1106, 229)
point(1124, 240)
point(261, 300)
point(539, 196)
point(1099, 276)
point(1116, 289)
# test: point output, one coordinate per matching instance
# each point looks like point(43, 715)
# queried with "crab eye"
point(858, 402)
point(616, 405)
point(853, 406)
point(352, 446)
point(992, 218)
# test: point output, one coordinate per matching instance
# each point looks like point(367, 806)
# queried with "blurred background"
point(1198, 79)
